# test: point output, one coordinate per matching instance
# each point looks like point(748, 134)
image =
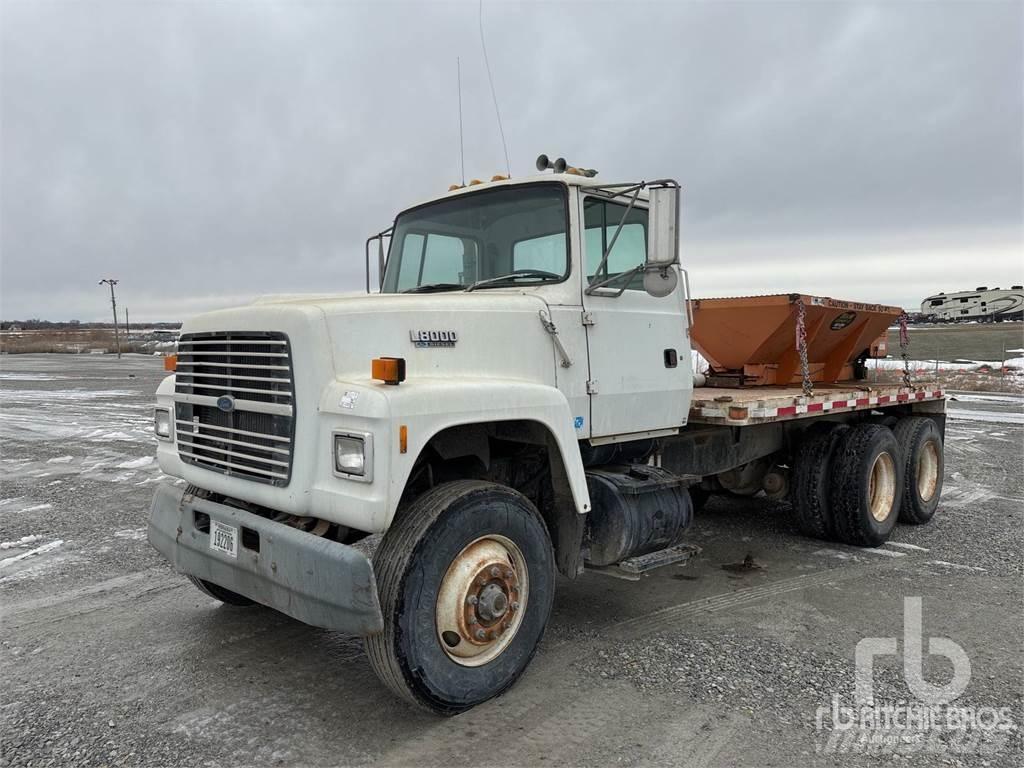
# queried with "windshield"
point(505, 236)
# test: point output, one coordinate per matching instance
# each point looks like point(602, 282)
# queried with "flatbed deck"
point(738, 407)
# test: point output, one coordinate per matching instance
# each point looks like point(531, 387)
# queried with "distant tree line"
point(35, 324)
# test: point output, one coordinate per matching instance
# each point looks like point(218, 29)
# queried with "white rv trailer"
point(982, 303)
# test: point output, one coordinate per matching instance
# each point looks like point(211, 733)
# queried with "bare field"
point(975, 341)
point(51, 340)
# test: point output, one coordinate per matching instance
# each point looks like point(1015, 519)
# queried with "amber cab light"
point(390, 370)
point(170, 362)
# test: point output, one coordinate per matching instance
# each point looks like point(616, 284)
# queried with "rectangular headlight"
point(162, 423)
point(350, 455)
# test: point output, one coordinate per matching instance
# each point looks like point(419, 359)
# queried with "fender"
point(426, 406)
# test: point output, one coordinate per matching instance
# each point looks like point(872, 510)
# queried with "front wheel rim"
point(927, 470)
point(882, 487)
point(482, 600)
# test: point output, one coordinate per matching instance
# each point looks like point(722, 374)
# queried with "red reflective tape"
point(787, 411)
point(840, 403)
point(863, 401)
point(884, 399)
point(937, 393)
point(815, 407)
point(920, 395)
point(902, 398)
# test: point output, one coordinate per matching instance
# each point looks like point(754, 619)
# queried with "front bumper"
point(312, 579)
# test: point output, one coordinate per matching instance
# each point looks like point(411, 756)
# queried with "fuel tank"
point(635, 509)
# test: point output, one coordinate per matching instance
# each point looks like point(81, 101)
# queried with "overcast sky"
point(205, 153)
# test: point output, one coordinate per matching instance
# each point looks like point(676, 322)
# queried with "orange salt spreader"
point(753, 340)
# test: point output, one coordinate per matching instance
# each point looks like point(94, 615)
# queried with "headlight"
point(353, 455)
point(162, 423)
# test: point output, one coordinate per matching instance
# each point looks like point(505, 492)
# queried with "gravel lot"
point(110, 658)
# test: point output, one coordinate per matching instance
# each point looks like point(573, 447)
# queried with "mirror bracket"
point(381, 257)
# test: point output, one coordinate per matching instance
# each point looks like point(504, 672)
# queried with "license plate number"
point(224, 538)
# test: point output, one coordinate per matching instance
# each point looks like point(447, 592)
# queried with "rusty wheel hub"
point(481, 601)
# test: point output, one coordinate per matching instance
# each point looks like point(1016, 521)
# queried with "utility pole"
point(127, 328)
point(113, 305)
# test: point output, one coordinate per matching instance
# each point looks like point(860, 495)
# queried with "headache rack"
point(234, 409)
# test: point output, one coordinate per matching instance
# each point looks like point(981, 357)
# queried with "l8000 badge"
point(433, 338)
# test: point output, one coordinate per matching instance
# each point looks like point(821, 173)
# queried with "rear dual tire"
point(812, 479)
point(921, 445)
point(849, 482)
point(867, 486)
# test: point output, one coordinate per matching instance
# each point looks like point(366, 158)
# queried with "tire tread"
point(846, 492)
point(907, 432)
point(811, 480)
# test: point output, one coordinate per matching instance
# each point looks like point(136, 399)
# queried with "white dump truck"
point(513, 398)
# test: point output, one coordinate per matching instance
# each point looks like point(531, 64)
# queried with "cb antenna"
point(497, 112)
point(462, 150)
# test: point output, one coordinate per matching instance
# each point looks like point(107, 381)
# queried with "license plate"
point(224, 538)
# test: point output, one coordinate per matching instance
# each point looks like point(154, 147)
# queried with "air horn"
point(560, 166)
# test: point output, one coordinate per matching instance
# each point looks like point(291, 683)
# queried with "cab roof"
point(569, 179)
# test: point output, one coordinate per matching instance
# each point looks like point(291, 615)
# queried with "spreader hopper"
point(754, 340)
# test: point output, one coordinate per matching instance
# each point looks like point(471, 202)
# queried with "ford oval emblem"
point(226, 403)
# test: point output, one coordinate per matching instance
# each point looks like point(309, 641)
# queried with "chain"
point(904, 349)
point(801, 346)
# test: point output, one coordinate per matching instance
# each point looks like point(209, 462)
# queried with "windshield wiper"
point(432, 287)
point(536, 274)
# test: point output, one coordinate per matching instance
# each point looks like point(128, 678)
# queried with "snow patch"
point(8, 561)
point(142, 461)
point(24, 541)
point(35, 508)
point(60, 460)
point(135, 534)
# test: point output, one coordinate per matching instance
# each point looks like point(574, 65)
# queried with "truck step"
point(632, 568)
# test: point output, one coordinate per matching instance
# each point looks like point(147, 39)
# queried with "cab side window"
point(600, 220)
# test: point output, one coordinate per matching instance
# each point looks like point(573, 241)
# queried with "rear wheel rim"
point(927, 470)
point(882, 487)
point(482, 600)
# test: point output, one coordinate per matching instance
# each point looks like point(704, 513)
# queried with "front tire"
point(218, 592)
point(867, 485)
point(466, 580)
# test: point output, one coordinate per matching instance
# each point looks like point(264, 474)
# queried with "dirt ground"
point(108, 657)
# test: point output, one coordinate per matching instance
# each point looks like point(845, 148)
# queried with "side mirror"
point(663, 227)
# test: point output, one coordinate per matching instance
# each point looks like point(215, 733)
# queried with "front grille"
point(234, 405)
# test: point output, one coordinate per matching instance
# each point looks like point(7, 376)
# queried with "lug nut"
point(495, 571)
point(514, 606)
point(472, 619)
point(472, 600)
point(481, 635)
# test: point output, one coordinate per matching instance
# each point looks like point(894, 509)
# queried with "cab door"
point(638, 345)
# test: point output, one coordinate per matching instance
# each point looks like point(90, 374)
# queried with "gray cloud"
point(205, 153)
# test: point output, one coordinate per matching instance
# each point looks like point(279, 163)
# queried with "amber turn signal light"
point(390, 370)
point(170, 362)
